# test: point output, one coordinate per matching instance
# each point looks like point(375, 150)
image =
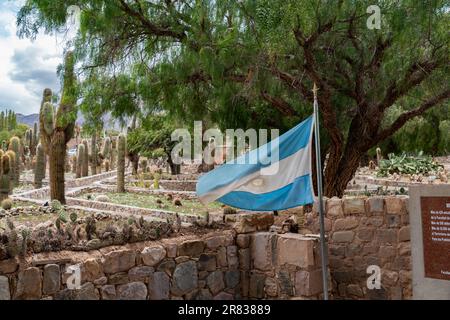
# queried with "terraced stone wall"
point(363, 232)
point(225, 265)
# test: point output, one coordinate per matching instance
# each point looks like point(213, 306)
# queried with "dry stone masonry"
point(221, 266)
point(363, 232)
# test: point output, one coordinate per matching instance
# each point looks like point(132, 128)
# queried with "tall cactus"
point(14, 145)
point(29, 139)
point(35, 138)
point(80, 160)
point(56, 129)
point(106, 148)
point(12, 169)
point(379, 156)
point(85, 163)
point(94, 154)
point(41, 163)
point(122, 149)
point(4, 176)
point(74, 164)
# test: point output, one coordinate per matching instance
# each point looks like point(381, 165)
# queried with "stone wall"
point(367, 231)
point(225, 265)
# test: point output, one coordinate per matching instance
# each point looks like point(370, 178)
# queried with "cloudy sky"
point(26, 67)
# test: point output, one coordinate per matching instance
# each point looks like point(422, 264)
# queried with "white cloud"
point(26, 67)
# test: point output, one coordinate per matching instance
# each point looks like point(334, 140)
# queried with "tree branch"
point(153, 29)
point(279, 103)
point(402, 119)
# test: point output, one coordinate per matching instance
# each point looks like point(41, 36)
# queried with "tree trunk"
point(174, 168)
point(94, 154)
point(57, 160)
point(341, 173)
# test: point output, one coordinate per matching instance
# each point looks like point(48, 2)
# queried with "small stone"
point(261, 250)
point(257, 282)
point(171, 249)
point(29, 285)
point(151, 256)
point(185, 278)
point(191, 248)
point(181, 259)
point(215, 282)
point(207, 261)
point(387, 252)
point(87, 292)
point(4, 289)
point(243, 240)
point(167, 266)
point(386, 236)
point(232, 278)
point(404, 249)
point(346, 223)
point(158, 286)
point(204, 294)
point(223, 296)
point(405, 276)
point(404, 234)
point(334, 207)
point(221, 257)
point(118, 278)
point(52, 279)
point(132, 291)
point(271, 287)
point(389, 278)
point(286, 286)
point(294, 249)
point(369, 249)
point(245, 283)
point(91, 270)
point(375, 205)
point(365, 234)
point(141, 273)
point(244, 259)
point(108, 292)
point(120, 260)
point(354, 290)
point(343, 236)
point(372, 221)
point(100, 281)
point(395, 205)
point(354, 206)
point(215, 242)
point(393, 220)
point(251, 222)
point(308, 283)
point(232, 258)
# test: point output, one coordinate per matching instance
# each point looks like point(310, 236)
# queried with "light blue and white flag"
point(256, 182)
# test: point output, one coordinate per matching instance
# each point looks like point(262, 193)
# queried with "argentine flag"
point(255, 181)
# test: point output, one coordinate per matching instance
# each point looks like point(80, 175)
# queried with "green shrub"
point(408, 164)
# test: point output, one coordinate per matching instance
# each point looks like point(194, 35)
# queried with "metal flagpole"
point(323, 245)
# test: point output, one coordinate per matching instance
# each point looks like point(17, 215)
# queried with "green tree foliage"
point(153, 138)
point(252, 63)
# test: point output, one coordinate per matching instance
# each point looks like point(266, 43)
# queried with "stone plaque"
point(436, 236)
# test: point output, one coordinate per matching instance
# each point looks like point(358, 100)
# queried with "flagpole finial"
point(315, 89)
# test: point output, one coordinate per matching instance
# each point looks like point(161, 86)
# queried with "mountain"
point(30, 119)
